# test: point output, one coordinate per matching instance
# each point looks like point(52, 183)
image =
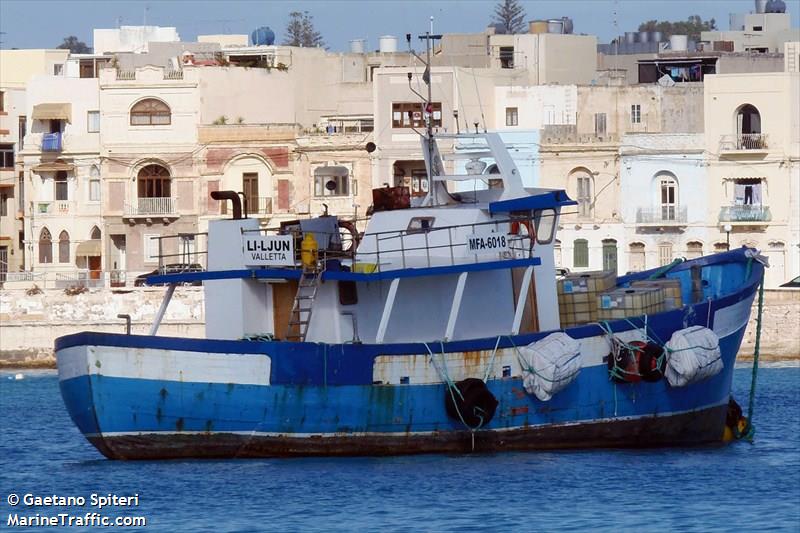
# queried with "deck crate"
point(577, 295)
point(672, 291)
point(629, 302)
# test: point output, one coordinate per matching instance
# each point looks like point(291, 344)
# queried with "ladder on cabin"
point(300, 316)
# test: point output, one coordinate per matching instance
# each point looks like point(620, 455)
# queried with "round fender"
point(474, 406)
point(651, 367)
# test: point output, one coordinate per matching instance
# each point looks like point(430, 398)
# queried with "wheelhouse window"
point(151, 112)
point(154, 181)
point(412, 115)
point(45, 246)
point(331, 181)
point(420, 224)
point(545, 223)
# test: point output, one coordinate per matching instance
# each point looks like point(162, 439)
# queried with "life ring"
point(345, 227)
point(471, 402)
point(516, 225)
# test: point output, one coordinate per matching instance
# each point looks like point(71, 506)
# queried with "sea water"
point(737, 487)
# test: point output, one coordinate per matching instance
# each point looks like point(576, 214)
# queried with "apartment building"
point(752, 140)
point(17, 67)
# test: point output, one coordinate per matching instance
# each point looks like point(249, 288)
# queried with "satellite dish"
point(371, 147)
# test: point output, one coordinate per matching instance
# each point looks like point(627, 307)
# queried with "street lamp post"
point(727, 228)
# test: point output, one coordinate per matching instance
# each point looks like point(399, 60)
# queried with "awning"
point(53, 166)
point(52, 112)
point(89, 248)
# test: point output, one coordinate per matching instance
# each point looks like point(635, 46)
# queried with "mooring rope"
point(749, 431)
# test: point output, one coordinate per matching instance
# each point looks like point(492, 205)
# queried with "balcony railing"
point(126, 74)
point(145, 207)
point(664, 215)
point(744, 213)
point(173, 74)
point(743, 142)
point(51, 142)
point(55, 207)
point(255, 206)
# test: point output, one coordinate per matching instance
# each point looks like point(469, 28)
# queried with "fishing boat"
point(443, 327)
point(439, 330)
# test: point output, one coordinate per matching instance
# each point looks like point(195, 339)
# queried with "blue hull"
point(321, 399)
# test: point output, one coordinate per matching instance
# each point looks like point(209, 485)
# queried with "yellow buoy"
point(309, 251)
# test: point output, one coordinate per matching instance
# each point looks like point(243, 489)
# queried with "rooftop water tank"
point(263, 36)
point(357, 46)
point(761, 6)
point(644, 36)
point(679, 43)
point(567, 24)
point(656, 36)
point(775, 6)
point(630, 37)
point(555, 26)
point(387, 44)
point(537, 26)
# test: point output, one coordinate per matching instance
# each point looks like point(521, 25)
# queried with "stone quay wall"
point(30, 323)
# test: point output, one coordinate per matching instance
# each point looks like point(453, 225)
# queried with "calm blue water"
point(742, 486)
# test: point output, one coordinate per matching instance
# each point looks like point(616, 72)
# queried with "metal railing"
point(151, 207)
point(666, 214)
point(428, 247)
point(51, 142)
point(743, 141)
point(255, 206)
point(185, 252)
point(744, 213)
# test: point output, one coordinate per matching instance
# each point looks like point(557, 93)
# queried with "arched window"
point(694, 249)
point(150, 112)
point(153, 181)
point(45, 246)
point(637, 260)
point(720, 247)
point(94, 184)
point(95, 235)
point(63, 247)
point(583, 188)
point(580, 253)
point(748, 128)
point(668, 195)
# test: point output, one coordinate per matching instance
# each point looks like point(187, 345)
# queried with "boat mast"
point(429, 38)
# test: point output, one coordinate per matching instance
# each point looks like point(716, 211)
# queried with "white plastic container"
point(550, 365)
point(693, 355)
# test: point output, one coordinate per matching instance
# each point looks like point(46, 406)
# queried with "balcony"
point(150, 208)
point(51, 142)
point(661, 216)
point(55, 208)
point(743, 143)
point(745, 214)
point(255, 206)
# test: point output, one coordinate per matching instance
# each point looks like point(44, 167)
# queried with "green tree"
point(75, 46)
point(691, 27)
point(301, 32)
point(510, 15)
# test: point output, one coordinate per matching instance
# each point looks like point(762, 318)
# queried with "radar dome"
point(263, 36)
